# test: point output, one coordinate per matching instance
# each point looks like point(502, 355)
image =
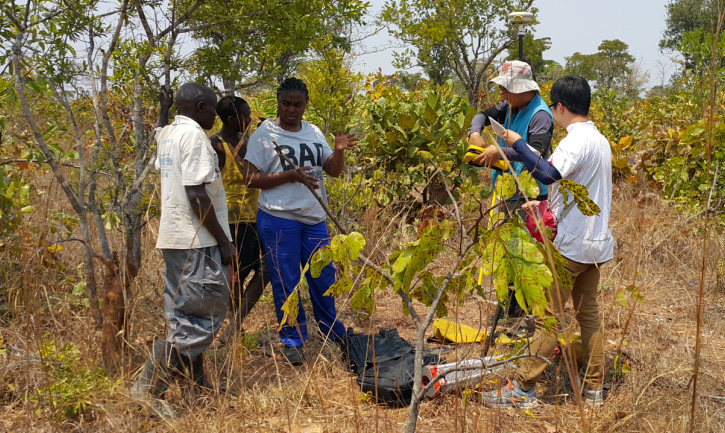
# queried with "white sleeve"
point(566, 158)
point(259, 150)
point(197, 159)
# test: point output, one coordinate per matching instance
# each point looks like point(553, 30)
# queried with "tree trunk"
point(113, 332)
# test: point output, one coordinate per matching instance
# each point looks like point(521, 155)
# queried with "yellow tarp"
point(445, 330)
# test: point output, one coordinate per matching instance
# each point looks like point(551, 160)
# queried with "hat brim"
point(516, 85)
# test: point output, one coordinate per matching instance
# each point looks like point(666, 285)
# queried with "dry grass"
point(656, 252)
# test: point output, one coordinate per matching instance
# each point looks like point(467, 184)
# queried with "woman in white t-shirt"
point(290, 220)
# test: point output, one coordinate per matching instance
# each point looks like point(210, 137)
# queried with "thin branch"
point(32, 161)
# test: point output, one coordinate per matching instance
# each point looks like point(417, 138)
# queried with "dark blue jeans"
point(288, 246)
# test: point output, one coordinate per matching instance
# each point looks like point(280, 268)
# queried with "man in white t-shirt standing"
point(583, 157)
point(194, 240)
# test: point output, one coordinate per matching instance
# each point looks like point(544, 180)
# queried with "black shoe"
point(194, 375)
point(294, 354)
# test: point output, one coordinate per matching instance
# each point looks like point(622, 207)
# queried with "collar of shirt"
point(183, 120)
point(573, 126)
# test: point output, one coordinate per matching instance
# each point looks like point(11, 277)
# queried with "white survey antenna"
point(521, 17)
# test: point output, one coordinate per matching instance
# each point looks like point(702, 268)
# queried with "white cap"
point(516, 77)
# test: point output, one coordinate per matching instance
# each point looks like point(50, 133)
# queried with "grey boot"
point(161, 367)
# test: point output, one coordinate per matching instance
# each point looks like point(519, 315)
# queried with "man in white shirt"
point(194, 240)
point(585, 158)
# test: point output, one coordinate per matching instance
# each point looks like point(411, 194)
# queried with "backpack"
point(543, 213)
point(388, 375)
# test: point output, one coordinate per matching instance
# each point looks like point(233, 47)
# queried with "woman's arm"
point(336, 162)
point(259, 179)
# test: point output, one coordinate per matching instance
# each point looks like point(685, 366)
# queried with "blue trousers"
point(288, 246)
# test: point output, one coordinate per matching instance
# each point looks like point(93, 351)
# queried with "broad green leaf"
point(501, 284)
point(290, 308)
point(320, 259)
point(363, 299)
point(355, 244)
point(402, 259)
point(492, 258)
point(524, 249)
point(550, 323)
point(343, 285)
point(528, 185)
point(505, 186)
point(405, 121)
point(430, 115)
point(581, 197)
point(511, 231)
point(622, 298)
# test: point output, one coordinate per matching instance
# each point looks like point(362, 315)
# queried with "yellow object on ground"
point(447, 331)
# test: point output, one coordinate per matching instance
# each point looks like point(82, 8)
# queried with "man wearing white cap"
point(525, 112)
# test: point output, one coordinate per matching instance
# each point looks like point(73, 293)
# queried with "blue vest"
point(520, 125)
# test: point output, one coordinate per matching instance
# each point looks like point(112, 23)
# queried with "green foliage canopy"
point(452, 37)
point(609, 67)
point(245, 42)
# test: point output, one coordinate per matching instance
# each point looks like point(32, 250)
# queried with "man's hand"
point(476, 139)
point(166, 97)
point(345, 142)
point(530, 205)
point(488, 157)
point(228, 253)
point(510, 137)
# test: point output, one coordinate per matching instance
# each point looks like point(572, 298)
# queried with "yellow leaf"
point(54, 248)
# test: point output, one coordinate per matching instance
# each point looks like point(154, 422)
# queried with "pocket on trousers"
point(205, 298)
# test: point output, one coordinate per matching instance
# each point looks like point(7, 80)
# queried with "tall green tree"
point(94, 67)
point(610, 67)
point(612, 64)
point(334, 88)
point(685, 16)
point(581, 64)
point(452, 37)
point(688, 24)
point(244, 42)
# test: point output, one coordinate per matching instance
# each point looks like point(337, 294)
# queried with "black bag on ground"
point(393, 364)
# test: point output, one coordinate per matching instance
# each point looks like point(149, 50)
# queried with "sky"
point(574, 26)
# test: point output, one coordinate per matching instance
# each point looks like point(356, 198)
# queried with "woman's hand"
point(300, 174)
point(345, 142)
